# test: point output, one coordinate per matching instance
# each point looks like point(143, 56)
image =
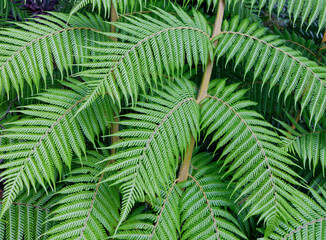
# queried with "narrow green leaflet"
point(160, 131)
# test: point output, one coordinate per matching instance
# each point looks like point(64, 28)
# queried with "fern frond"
point(267, 100)
point(308, 221)
point(26, 217)
point(10, 8)
point(150, 47)
point(161, 131)
point(121, 6)
point(202, 211)
point(309, 145)
point(267, 56)
point(206, 204)
point(308, 11)
point(161, 223)
point(88, 207)
point(48, 138)
point(308, 48)
point(29, 51)
point(251, 152)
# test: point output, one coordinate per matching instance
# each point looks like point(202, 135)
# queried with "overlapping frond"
point(30, 51)
point(202, 211)
point(308, 11)
point(147, 48)
point(89, 208)
point(206, 207)
point(161, 129)
point(269, 58)
point(163, 222)
point(307, 47)
point(308, 221)
point(10, 8)
point(308, 144)
point(121, 6)
point(268, 104)
point(26, 217)
point(48, 136)
point(251, 152)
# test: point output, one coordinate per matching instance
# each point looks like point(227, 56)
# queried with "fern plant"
point(164, 120)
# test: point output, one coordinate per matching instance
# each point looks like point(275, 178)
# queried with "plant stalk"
point(114, 18)
point(322, 47)
point(209, 68)
point(184, 170)
point(115, 125)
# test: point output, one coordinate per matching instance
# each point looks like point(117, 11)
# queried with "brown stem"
point(184, 170)
point(114, 18)
point(324, 38)
point(322, 47)
point(296, 120)
point(208, 71)
point(115, 125)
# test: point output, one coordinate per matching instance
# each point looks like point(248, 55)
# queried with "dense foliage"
point(135, 119)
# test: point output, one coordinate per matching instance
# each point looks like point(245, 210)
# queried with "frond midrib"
point(303, 226)
point(100, 84)
point(44, 37)
point(256, 139)
point(208, 204)
point(148, 144)
point(29, 205)
point(162, 208)
point(301, 135)
point(18, 175)
point(278, 49)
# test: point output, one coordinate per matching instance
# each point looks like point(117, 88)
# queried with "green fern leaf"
point(308, 10)
point(307, 220)
point(161, 223)
point(162, 129)
point(260, 169)
point(28, 53)
point(48, 138)
point(309, 145)
point(26, 218)
point(88, 207)
point(121, 6)
point(267, 56)
point(150, 48)
point(199, 212)
point(205, 204)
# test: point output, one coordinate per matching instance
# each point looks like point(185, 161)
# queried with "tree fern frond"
point(29, 51)
point(308, 11)
point(276, 63)
point(9, 8)
point(88, 207)
point(308, 221)
point(162, 223)
point(261, 170)
point(121, 6)
point(267, 100)
point(26, 217)
point(150, 47)
point(161, 131)
point(308, 48)
point(310, 145)
point(206, 205)
point(48, 138)
point(202, 211)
